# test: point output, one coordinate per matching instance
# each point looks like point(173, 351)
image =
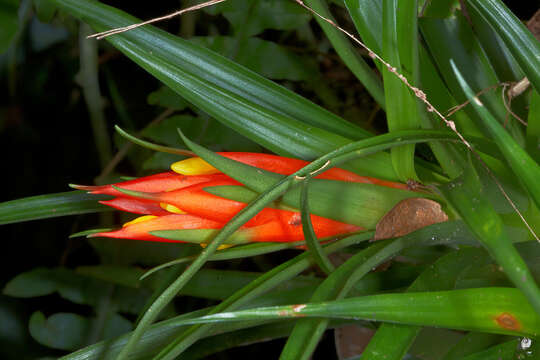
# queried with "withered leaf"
point(407, 216)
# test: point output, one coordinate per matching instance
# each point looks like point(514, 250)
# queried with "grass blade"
point(392, 341)
point(400, 48)
point(494, 310)
point(313, 244)
point(51, 205)
point(520, 162)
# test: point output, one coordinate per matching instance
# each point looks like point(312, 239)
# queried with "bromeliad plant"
point(483, 170)
point(175, 202)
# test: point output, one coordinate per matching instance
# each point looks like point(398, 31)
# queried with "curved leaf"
point(493, 310)
point(52, 205)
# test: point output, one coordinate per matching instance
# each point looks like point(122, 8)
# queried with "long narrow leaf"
point(267, 281)
point(51, 205)
point(312, 242)
point(521, 163)
point(494, 310)
point(400, 49)
point(255, 107)
point(392, 341)
point(453, 38)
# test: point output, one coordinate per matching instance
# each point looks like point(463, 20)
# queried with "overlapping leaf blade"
point(52, 205)
point(255, 107)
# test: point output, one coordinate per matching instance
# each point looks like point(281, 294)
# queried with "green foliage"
point(249, 76)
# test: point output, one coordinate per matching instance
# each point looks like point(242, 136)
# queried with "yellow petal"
point(220, 247)
point(139, 220)
point(171, 208)
point(193, 166)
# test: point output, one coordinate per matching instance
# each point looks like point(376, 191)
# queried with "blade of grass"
point(392, 341)
point(51, 205)
point(494, 310)
point(367, 18)
point(267, 281)
point(454, 39)
point(400, 48)
point(520, 162)
point(235, 252)
point(307, 333)
point(313, 244)
point(257, 108)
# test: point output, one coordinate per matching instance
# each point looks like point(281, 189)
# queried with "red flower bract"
point(176, 201)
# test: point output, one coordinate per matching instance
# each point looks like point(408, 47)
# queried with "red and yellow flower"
point(177, 200)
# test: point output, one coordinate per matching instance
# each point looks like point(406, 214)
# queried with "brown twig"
point(107, 33)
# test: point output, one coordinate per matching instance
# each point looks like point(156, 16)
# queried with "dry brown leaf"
point(407, 216)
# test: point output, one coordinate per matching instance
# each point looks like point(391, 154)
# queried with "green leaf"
point(268, 280)
point(466, 195)
point(235, 252)
point(255, 107)
point(520, 162)
point(313, 244)
point(253, 53)
point(155, 339)
point(394, 340)
point(67, 331)
point(367, 17)
point(504, 64)
point(263, 14)
point(400, 50)
point(521, 42)
point(52, 205)
point(471, 343)
point(454, 39)
point(494, 310)
point(504, 351)
point(440, 8)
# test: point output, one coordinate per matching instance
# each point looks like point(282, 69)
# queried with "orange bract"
point(179, 201)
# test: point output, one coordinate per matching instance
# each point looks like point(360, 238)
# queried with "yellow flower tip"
point(140, 219)
point(193, 166)
point(220, 247)
point(171, 208)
